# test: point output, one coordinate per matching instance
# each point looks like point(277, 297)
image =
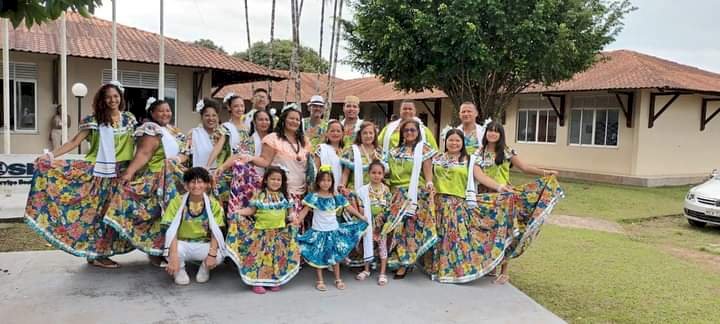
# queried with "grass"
point(674, 231)
point(19, 237)
point(615, 202)
point(587, 276)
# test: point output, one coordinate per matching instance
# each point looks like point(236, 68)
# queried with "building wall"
point(675, 145)
point(563, 156)
point(89, 72)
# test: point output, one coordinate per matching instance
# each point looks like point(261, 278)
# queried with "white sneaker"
point(181, 278)
point(203, 274)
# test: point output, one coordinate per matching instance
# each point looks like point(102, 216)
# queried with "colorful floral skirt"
point(244, 184)
point(265, 257)
point(322, 249)
point(411, 230)
point(66, 205)
point(535, 201)
point(357, 257)
point(472, 242)
point(137, 206)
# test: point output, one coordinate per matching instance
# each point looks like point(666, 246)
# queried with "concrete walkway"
point(54, 287)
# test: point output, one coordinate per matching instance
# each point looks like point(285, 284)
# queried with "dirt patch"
point(586, 223)
point(703, 258)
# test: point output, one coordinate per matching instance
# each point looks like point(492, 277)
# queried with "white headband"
point(149, 103)
point(117, 84)
point(199, 105)
point(228, 97)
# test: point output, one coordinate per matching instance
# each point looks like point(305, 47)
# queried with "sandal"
point(399, 276)
point(320, 285)
point(339, 284)
point(105, 263)
point(502, 279)
point(382, 280)
point(259, 290)
point(362, 275)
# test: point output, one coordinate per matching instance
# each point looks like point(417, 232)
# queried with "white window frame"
point(537, 126)
point(594, 124)
point(107, 72)
point(17, 103)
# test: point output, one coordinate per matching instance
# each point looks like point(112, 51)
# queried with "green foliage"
point(309, 60)
point(485, 51)
point(40, 11)
point(208, 43)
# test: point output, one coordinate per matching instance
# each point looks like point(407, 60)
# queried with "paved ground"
point(54, 287)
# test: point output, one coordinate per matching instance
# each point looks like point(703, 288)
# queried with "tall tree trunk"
point(272, 37)
point(334, 64)
point(322, 28)
point(249, 50)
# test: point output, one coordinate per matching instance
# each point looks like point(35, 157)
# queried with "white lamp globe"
point(79, 90)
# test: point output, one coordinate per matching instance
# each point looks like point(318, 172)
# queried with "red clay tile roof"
point(621, 69)
point(624, 69)
point(91, 37)
point(308, 86)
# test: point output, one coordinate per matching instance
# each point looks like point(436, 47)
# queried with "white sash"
point(415, 175)
point(214, 228)
point(234, 134)
point(105, 159)
point(258, 143)
point(328, 156)
point(356, 127)
point(249, 117)
point(170, 144)
point(470, 193)
point(364, 195)
point(201, 147)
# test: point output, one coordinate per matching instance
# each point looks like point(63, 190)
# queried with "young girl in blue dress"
point(328, 243)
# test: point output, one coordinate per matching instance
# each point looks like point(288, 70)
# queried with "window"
point(139, 86)
point(594, 121)
point(537, 122)
point(23, 106)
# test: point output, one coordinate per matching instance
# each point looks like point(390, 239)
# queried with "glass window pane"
point(587, 127)
point(521, 132)
point(25, 108)
point(600, 119)
point(575, 126)
point(542, 126)
point(552, 128)
point(531, 125)
point(612, 127)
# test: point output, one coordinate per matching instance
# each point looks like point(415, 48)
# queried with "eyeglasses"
point(410, 130)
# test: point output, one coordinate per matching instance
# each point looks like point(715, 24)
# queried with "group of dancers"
point(271, 193)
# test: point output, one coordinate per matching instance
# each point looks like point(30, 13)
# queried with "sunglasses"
point(410, 130)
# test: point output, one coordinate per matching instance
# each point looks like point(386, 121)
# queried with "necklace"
point(195, 208)
point(376, 192)
point(367, 155)
point(296, 148)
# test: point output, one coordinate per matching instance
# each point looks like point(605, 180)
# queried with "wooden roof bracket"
point(627, 109)
point(559, 111)
point(430, 111)
point(384, 110)
point(653, 95)
point(704, 118)
point(198, 77)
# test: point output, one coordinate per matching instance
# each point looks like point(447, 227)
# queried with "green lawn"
point(615, 202)
point(587, 276)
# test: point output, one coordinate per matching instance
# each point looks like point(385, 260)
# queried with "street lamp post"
point(79, 90)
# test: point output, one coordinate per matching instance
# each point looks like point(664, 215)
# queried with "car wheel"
point(695, 223)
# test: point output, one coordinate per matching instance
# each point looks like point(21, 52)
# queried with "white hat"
point(316, 100)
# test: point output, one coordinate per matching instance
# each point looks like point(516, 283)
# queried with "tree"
point(484, 51)
point(40, 11)
point(208, 43)
point(310, 61)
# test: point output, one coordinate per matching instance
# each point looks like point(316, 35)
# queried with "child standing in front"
point(375, 199)
point(265, 246)
point(194, 222)
point(327, 243)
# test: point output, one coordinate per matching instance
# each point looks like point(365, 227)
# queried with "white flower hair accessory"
point(229, 96)
point(273, 111)
point(487, 122)
point(292, 106)
point(149, 103)
point(117, 84)
point(199, 105)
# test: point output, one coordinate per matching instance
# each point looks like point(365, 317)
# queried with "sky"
point(683, 31)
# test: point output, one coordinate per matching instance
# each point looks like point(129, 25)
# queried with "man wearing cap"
point(389, 137)
point(351, 123)
point(315, 126)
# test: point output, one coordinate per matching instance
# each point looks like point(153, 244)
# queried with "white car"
point(702, 203)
